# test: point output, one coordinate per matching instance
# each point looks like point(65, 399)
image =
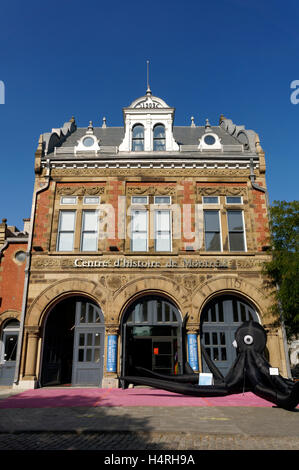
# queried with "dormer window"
point(159, 138)
point(138, 138)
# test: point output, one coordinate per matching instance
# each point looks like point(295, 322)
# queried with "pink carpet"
point(67, 397)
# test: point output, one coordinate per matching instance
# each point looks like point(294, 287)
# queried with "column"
point(33, 335)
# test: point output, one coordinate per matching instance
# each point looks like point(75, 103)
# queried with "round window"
point(209, 140)
point(20, 256)
point(88, 141)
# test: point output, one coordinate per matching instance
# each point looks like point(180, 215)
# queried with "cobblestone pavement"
point(126, 441)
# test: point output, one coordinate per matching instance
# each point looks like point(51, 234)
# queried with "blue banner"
point(112, 353)
point(192, 351)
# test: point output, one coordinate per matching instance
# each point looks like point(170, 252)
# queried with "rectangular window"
point(68, 200)
point(236, 230)
point(162, 230)
point(139, 200)
point(210, 199)
point(139, 230)
point(162, 199)
point(66, 231)
point(234, 200)
point(89, 233)
point(91, 200)
point(212, 231)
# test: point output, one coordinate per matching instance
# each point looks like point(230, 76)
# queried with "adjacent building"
point(147, 242)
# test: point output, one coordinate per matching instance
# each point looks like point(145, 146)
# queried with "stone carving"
point(222, 190)
point(150, 190)
point(80, 190)
point(153, 172)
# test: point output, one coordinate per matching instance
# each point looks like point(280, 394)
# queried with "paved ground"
point(156, 428)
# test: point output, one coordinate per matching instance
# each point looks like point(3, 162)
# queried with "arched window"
point(138, 138)
point(159, 137)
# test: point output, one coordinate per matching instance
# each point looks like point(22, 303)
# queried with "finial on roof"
point(221, 118)
point(207, 126)
point(90, 128)
point(104, 125)
point(192, 122)
point(72, 119)
point(148, 91)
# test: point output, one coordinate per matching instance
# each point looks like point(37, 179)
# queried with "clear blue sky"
point(88, 59)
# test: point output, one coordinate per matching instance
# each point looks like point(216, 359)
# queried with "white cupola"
point(148, 125)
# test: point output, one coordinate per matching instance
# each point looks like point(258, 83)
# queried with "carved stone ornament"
point(81, 190)
point(222, 191)
point(152, 171)
point(150, 190)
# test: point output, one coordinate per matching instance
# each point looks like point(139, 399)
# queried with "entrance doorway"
point(73, 344)
point(8, 352)
point(220, 320)
point(152, 337)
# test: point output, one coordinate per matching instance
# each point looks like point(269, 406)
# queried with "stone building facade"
point(147, 243)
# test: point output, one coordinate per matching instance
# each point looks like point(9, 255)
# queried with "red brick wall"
point(12, 276)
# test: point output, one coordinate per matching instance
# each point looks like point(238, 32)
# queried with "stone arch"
point(150, 285)
point(9, 315)
point(228, 285)
point(59, 290)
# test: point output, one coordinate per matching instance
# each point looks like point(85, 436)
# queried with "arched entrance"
point(73, 349)
point(8, 351)
point(152, 336)
point(220, 319)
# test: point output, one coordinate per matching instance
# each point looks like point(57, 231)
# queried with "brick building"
point(147, 243)
point(13, 247)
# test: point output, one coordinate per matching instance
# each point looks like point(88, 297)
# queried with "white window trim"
point(244, 233)
point(210, 203)
point(234, 203)
point(96, 231)
point(91, 203)
point(162, 203)
point(68, 203)
point(59, 230)
point(220, 230)
point(132, 231)
point(170, 230)
point(139, 203)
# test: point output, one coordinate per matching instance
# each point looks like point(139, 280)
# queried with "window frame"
point(156, 211)
point(96, 231)
point(213, 231)
point(133, 212)
point(135, 139)
point(156, 139)
point(59, 231)
point(236, 231)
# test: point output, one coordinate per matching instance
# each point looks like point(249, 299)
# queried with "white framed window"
point(139, 200)
point(68, 200)
point(162, 200)
point(89, 232)
point(162, 230)
point(159, 140)
point(234, 200)
point(66, 230)
point(212, 230)
point(91, 200)
point(138, 138)
point(236, 231)
point(210, 199)
point(139, 230)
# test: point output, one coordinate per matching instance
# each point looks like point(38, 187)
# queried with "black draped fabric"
point(249, 372)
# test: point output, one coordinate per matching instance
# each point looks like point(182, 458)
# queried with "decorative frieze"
point(80, 190)
point(222, 190)
point(151, 190)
